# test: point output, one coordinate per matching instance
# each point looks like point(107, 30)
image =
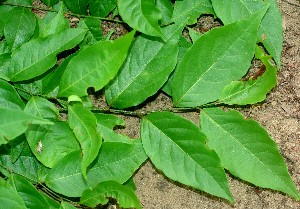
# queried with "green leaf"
point(54, 25)
point(251, 91)
point(49, 3)
point(28, 62)
point(144, 72)
point(101, 8)
point(9, 97)
point(52, 203)
point(51, 81)
point(84, 125)
point(17, 146)
point(270, 31)
point(110, 189)
point(66, 177)
point(26, 165)
point(20, 28)
point(108, 120)
point(141, 15)
point(116, 161)
point(51, 144)
point(166, 9)
point(94, 66)
point(42, 108)
point(65, 205)
point(246, 150)
point(77, 7)
point(194, 34)
point(32, 198)
point(183, 46)
point(9, 197)
point(177, 147)
point(21, 2)
point(14, 122)
point(218, 57)
point(187, 11)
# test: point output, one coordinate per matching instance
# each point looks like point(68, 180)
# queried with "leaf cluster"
point(60, 151)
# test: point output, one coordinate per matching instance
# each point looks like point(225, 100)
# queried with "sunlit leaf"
point(177, 147)
point(77, 7)
point(101, 8)
point(246, 150)
point(9, 97)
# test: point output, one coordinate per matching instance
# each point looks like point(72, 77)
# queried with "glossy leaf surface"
point(246, 150)
point(94, 66)
point(28, 62)
point(9, 97)
point(215, 59)
point(177, 147)
point(84, 125)
point(143, 73)
point(124, 195)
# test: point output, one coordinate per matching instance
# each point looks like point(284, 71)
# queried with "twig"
point(290, 3)
point(71, 14)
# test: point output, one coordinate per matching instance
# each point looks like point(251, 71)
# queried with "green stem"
point(71, 14)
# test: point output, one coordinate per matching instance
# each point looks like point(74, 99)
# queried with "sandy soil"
point(279, 114)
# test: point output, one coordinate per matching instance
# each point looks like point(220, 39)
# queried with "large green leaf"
point(246, 150)
point(66, 177)
point(110, 189)
point(9, 197)
point(50, 144)
point(32, 198)
point(218, 57)
point(101, 8)
point(14, 122)
point(9, 97)
point(84, 125)
point(94, 66)
point(141, 15)
point(20, 28)
point(143, 73)
point(28, 62)
point(253, 90)
point(187, 11)
point(77, 7)
point(42, 108)
point(116, 161)
point(177, 147)
point(49, 3)
point(270, 31)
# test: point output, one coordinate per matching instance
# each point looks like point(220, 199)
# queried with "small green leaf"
point(26, 165)
point(77, 7)
point(51, 144)
point(195, 35)
point(110, 189)
point(28, 62)
point(177, 147)
point(57, 24)
point(101, 8)
point(141, 15)
point(187, 11)
point(17, 146)
point(49, 3)
point(251, 91)
point(9, 197)
point(14, 122)
point(41, 108)
point(246, 150)
point(116, 161)
point(9, 97)
point(166, 9)
point(144, 72)
point(20, 28)
point(84, 125)
point(218, 57)
point(66, 177)
point(94, 66)
point(32, 198)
